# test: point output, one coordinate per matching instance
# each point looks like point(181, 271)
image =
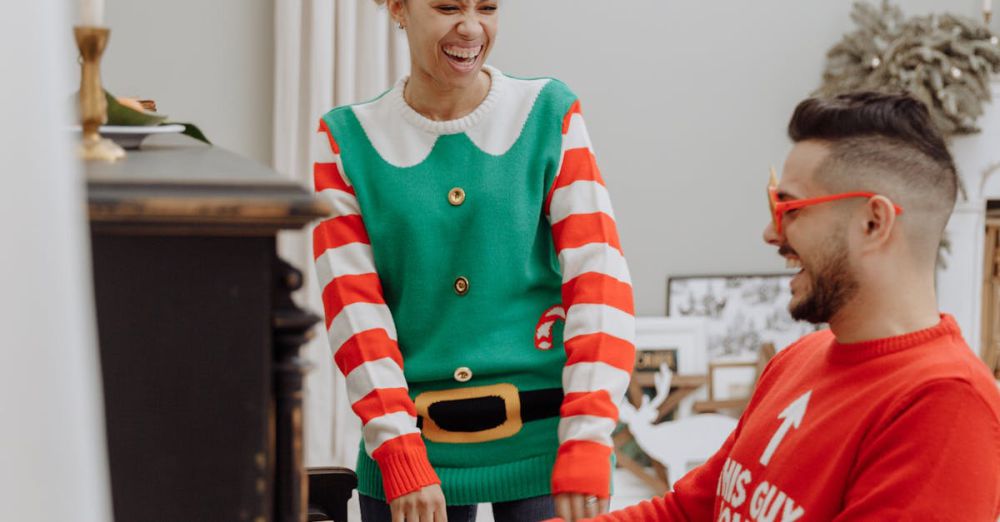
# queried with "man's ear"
point(879, 220)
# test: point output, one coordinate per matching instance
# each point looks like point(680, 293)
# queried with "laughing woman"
point(473, 245)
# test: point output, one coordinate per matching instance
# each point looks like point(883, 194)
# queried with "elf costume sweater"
point(904, 428)
point(456, 251)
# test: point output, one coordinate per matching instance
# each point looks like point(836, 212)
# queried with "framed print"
point(741, 311)
point(677, 341)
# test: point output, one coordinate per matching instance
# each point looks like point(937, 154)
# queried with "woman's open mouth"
point(462, 58)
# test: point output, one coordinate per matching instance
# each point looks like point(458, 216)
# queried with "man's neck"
point(437, 103)
point(889, 309)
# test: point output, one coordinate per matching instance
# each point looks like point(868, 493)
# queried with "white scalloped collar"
point(449, 126)
point(493, 126)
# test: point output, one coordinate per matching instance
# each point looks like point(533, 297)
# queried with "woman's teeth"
point(463, 53)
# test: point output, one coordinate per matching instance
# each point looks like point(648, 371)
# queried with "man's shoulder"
point(945, 358)
point(953, 367)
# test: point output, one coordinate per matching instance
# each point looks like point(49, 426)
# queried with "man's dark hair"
point(883, 143)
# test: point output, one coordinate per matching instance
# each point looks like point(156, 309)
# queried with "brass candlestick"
point(93, 105)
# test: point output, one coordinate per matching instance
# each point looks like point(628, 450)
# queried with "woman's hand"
point(577, 506)
point(423, 505)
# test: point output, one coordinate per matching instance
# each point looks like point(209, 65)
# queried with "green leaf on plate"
point(119, 114)
point(191, 130)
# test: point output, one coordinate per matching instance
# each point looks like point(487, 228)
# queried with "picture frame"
point(733, 378)
point(683, 339)
point(678, 342)
point(742, 311)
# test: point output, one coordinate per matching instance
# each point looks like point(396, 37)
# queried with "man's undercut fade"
point(883, 143)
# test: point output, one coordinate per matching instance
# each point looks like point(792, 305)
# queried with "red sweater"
point(904, 428)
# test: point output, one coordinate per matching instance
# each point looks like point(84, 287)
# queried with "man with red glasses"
point(887, 415)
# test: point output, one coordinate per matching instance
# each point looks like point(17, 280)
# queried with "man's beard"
point(831, 285)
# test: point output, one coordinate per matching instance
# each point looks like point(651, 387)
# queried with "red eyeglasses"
point(778, 208)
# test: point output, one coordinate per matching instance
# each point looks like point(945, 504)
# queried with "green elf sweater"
point(475, 294)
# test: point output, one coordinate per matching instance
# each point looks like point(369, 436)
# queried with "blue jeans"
point(524, 510)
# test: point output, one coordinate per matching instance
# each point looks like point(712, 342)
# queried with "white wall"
point(206, 62)
point(687, 104)
point(53, 464)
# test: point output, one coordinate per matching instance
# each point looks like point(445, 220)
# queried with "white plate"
point(131, 136)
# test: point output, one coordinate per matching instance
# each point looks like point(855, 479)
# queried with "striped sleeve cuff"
point(582, 467)
point(404, 465)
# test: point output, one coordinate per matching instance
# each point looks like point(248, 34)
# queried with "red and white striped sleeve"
point(600, 319)
point(361, 331)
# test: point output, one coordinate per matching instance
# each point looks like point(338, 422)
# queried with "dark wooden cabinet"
point(199, 337)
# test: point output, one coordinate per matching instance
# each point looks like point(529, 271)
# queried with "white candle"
point(987, 6)
point(92, 13)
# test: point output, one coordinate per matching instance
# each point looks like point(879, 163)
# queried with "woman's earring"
point(400, 24)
